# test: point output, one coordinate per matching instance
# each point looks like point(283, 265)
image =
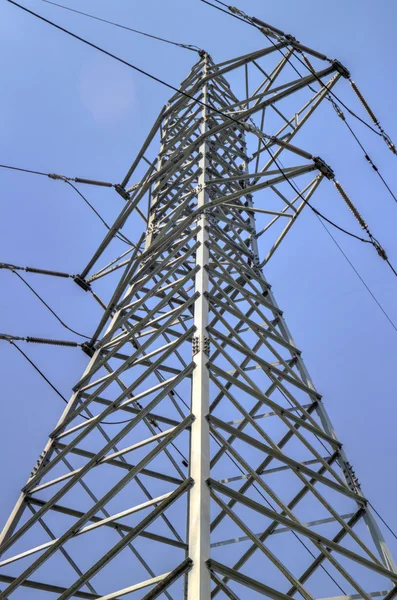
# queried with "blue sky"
point(65, 108)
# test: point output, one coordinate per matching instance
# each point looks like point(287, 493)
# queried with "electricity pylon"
point(196, 436)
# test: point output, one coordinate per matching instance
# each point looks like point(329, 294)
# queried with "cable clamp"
point(338, 111)
point(381, 251)
point(341, 68)
point(389, 143)
point(56, 176)
point(10, 338)
point(8, 266)
point(322, 166)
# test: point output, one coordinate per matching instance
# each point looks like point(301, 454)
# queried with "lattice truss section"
point(224, 477)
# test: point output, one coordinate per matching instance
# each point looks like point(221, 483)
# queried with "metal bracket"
point(82, 283)
point(322, 166)
point(341, 68)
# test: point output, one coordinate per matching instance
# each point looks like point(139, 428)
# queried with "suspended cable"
point(367, 157)
point(359, 276)
point(191, 47)
point(49, 307)
point(96, 47)
point(12, 342)
point(317, 212)
point(23, 170)
point(382, 519)
point(61, 177)
point(119, 235)
point(69, 180)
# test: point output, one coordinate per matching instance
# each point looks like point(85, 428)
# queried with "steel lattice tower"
point(223, 440)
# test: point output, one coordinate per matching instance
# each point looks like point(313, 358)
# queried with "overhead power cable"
point(69, 180)
point(119, 235)
point(191, 47)
point(49, 307)
point(371, 293)
point(342, 116)
point(40, 372)
point(358, 275)
point(383, 520)
point(60, 177)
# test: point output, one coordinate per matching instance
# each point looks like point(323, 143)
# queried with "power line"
point(191, 47)
point(359, 276)
point(23, 170)
point(92, 45)
point(367, 157)
point(69, 180)
point(351, 265)
point(49, 307)
point(382, 519)
point(40, 372)
point(120, 236)
point(55, 176)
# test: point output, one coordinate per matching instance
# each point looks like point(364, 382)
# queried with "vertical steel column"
point(199, 505)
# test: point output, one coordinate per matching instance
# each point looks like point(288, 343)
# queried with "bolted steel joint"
point(341, 68)
point(120, 190)
point(82, 283)
point(195, 345)
point(198, 345)
point(322, 166)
